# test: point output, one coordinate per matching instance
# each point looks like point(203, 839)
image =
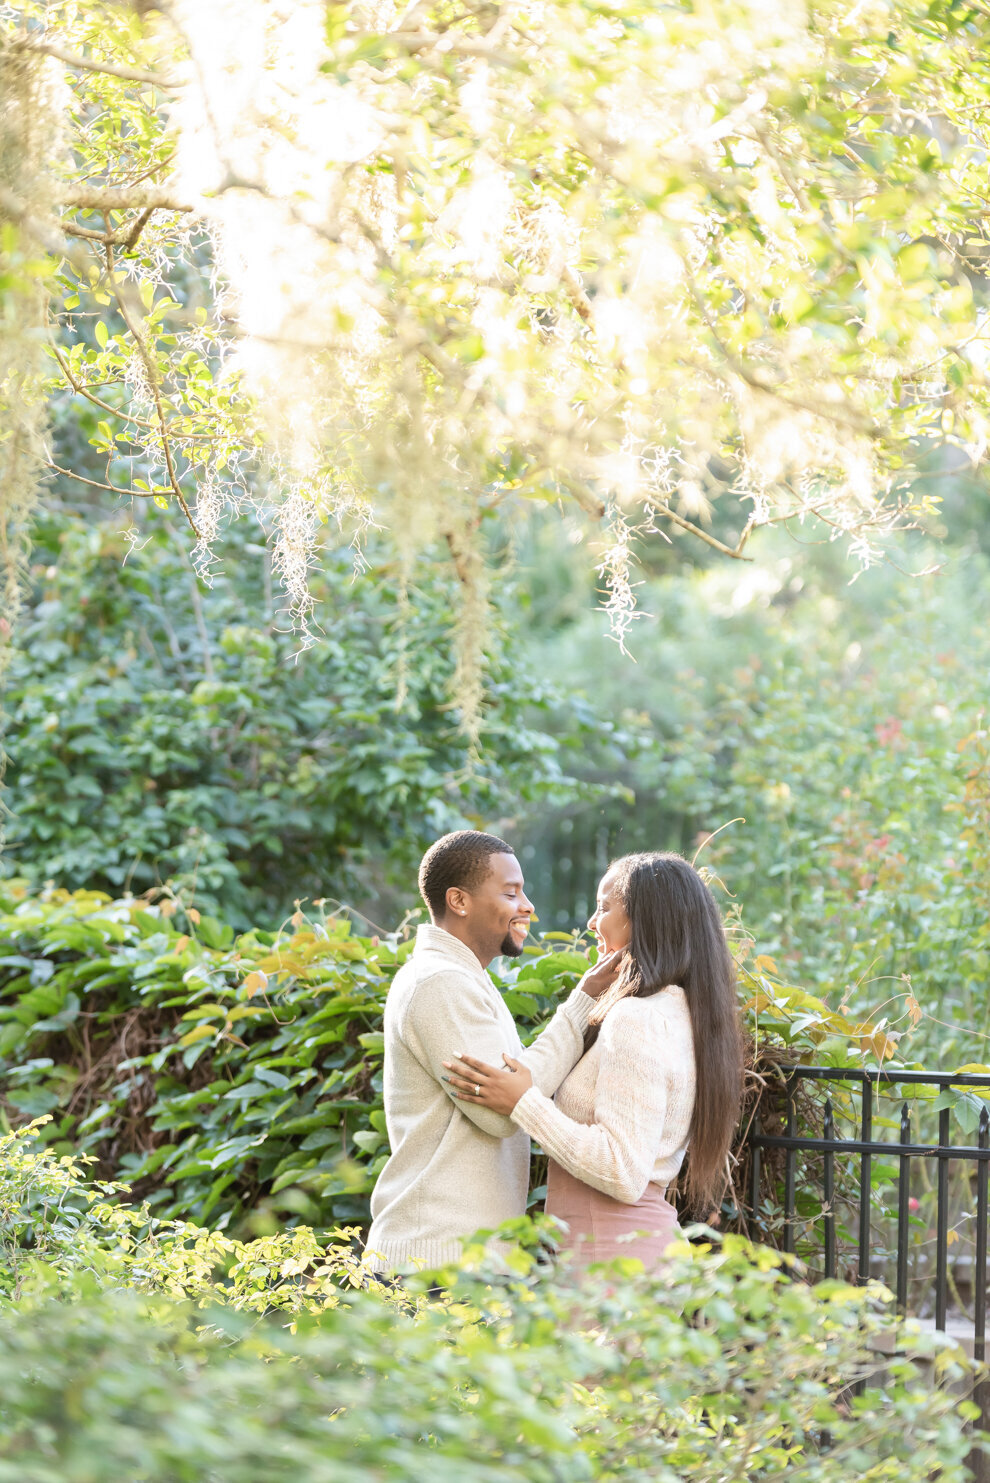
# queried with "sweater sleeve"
point(556, 1051)
point(618, 1152)
point(448, 1012)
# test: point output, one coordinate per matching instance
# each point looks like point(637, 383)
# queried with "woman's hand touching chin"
point(493, 1087)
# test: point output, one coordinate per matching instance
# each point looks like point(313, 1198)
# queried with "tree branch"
point(152, 371)
point(48, 232)
point(88, 234)
point(99, 198)
point(130, 240)
point(118, 412)
point(734, 551)
point(89, 64)
point(854, 421)
point(81, 391)
point(95, 483)
point(591, 503)
point(126, 235)
point(444, 43)
point(575, 292)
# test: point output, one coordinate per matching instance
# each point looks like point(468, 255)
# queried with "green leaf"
point(193, 1037)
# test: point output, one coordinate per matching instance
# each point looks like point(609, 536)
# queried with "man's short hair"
point(458, 859)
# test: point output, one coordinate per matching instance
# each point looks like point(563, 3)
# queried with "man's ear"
point(457, 901)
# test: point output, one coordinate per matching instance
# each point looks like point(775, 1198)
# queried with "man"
point(455, 1168)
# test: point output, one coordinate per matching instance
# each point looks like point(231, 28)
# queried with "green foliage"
point(500, 1386)
point(843, 732)
point(159, 731)
point(103, 1373)
point(46, 1210)
point(751, 240)
point(58, 1226)
point(862, 859)
point(529, 1383)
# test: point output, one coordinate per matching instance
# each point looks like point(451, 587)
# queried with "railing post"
point(865, 1183)
point(903, 1213)
point(978, 1461)
point(754, 1171)
point(942, 1224)
point(828, 1132)
point(790, 1166)
point(980, 1275)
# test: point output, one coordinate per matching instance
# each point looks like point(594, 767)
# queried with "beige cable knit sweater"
point(454, 1168)
point(623, 1115)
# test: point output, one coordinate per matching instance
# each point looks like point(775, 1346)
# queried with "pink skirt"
point(595, 1222)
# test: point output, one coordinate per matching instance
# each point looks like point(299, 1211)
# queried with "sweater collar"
point(435, 940)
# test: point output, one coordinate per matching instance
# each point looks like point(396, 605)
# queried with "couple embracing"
point(641, 1063)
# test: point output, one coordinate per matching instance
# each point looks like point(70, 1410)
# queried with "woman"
point(662, 1070)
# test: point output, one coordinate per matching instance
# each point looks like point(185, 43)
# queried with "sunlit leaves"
point(562, 239)
point(168, 1346)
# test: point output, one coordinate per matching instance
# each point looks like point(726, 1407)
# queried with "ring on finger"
point(477, 1089)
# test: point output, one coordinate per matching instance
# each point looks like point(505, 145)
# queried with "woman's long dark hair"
point(677, 937)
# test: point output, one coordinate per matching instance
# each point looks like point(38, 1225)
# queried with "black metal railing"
point(841, 1163)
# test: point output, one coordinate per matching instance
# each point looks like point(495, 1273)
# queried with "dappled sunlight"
point(514, 256)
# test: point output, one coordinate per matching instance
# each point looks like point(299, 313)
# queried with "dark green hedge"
point(153, 734)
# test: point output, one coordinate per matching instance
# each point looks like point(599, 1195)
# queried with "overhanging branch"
point(736, 552)
point(153, 382)
point(89, 64)
point(101, 198)
point(96, 484)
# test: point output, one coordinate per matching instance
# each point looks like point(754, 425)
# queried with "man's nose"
point(528, 905)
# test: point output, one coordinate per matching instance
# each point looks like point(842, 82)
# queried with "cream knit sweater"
point(454, 1168)
point(622, 1117)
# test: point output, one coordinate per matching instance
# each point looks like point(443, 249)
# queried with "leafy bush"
point(57, 1225)
point(532, 1380)
point(864, 863)
point(279, 1366)
point(49, 1213)
point(844, 732)
point(155, 734)
point(231, 1078)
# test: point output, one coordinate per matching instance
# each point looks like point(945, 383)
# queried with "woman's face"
point(609, 922)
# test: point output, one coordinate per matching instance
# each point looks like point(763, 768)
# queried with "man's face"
point(497, 912)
